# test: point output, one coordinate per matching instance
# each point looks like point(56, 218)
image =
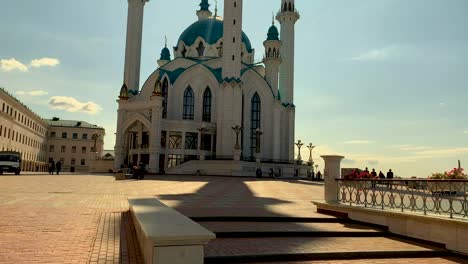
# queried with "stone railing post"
point(331, 172)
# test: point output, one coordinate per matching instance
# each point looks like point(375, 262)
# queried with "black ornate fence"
point(438, 197)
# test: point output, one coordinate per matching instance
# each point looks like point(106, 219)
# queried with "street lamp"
point(238, 130)
point(202, 130)
point(299, 145)
point(311, 147)
point(258, 134)
point(95, 137)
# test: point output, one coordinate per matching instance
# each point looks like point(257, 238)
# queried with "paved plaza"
point(84, 218)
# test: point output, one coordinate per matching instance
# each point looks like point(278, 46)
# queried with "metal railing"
point(436, 197)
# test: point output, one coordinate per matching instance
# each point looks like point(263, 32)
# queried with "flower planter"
point(445, 187)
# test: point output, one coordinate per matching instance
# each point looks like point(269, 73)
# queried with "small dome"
point(204, 5)
point(165, 54)
point(273, 33)
point(211, 30)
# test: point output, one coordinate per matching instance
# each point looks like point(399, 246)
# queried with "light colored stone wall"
point(24, 131)
point(84, 147)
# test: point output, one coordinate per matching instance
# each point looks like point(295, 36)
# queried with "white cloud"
point(11, 65)
point(359, 142)
point(48, 62)
point(32, 93)
point(410, 147)
point(377, 54)
point(466, 131)
point(70, 104)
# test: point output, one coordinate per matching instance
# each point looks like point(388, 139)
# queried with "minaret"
point(133, 45)
point(272, 58)
point(204, 12)
point(287, 17)
point(232, 39)
point(165, 55)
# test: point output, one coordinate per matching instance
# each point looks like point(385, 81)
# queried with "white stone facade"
point(73, 143)
point(188, 106)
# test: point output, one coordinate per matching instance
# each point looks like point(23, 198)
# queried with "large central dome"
point(211, 30)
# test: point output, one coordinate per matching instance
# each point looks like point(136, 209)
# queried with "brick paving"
point(84, 219)
point(447, 260)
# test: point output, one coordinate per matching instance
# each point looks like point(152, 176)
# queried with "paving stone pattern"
point(84, 218)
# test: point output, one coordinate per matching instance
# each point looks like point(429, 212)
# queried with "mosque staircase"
point(305, 240)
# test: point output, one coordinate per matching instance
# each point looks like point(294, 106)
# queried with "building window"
point(163, 139)
point(63, 149)
point(254, 122)
point(84, 136)
point(165, 88)
point(64, 134)
point(73, 149)
point(52, 134)
point(191, 140)
point(83, 162)
point(73, 162)
point(75, 135)
point(175, 140)
point(206, 142)
point(201, 49)
point(173, 160)
point(83, 150)
point(51, 148)
point(207, 105)
point(189, 104)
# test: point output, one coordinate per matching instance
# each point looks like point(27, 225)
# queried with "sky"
point(383, 83)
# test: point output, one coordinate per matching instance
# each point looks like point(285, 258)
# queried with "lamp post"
point(238, 130)
point(258, 134)
point(202, 130)
point(95, 137)
point(311, 161)
point(299, 145)
point(237, 149)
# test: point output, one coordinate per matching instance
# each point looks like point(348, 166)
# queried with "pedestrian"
point(51, 166)
point(374, 173)
point(381, 175)
point(58, 167)
point(366, 170)
point(142, 171)
point(319, 175)
point(390, 174)
point(258, 172)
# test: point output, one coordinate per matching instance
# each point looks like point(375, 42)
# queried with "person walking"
point(58, 166)
point(51, 166)
point(142, 171)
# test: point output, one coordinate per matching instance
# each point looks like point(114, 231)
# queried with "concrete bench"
point(167, 236)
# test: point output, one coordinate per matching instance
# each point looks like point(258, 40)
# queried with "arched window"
point(290, 7)
point(189, 104)
point(254, 122)
point(201, 49)
point(207, 105)
point(285, 8)
point(165, 94)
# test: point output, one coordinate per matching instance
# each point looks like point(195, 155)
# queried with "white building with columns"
point(185, 113)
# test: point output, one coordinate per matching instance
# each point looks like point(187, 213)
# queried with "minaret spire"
point(204, 12)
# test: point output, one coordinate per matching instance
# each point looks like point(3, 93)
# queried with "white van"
point(10, 161)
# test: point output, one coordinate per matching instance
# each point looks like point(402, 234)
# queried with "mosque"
point(209, 106)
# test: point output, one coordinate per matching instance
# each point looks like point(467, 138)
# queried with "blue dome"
point(211, 30)
point(273, 33)
point(165, 54)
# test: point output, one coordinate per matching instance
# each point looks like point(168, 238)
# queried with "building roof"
point(211, 30)
point(165, 54)
point(273, 33)
point(21, 103)
point(57, 122)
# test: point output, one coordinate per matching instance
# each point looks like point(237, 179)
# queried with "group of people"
point(381, 175)
point(55, 167)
